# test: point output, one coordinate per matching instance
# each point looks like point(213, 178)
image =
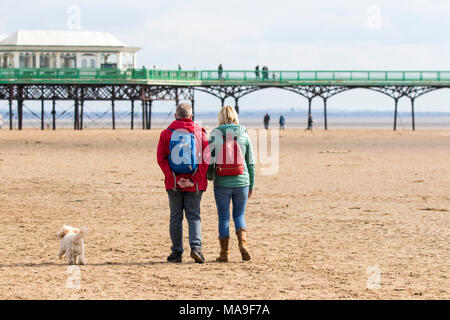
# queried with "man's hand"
point(185, 183)
point(250, 192)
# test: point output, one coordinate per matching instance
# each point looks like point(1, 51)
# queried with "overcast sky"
point(321, 34)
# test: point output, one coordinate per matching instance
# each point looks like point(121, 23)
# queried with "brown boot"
point(243, 247)
point(224, 249)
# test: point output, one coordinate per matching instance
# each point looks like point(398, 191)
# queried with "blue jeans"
point(189, 202)
point(223, 196)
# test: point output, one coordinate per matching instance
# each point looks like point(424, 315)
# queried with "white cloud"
point(3, 23)
point(283, 34)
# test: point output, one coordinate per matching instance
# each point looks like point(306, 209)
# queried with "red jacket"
point(199, 177)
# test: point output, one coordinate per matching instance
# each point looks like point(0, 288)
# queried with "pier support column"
point(309, 110)
point(81, 114)
point(75, 115)
point(11, 118)
point(53, 116)
point(309, 106)
point(325, 120)
point(146, 114)
point(413, 120)
point(193, 110)
point(113, 113)
point(395, 113)
point(236, 104)
point(10, 115)
point(149, 119)
point(222, 101)
point(132, 114)
point(143, 114)
point(19, 107)
point(42, 114)
point(19, 113)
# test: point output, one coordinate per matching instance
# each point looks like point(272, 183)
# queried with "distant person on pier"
point(183, 155)
point(265, 73)
point(266, 121)
point(257, 72)
point(179, 67)
point(282, 120)
point(310, 123)
point(220, 71)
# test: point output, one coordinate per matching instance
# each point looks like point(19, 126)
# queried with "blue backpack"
point(182, 152)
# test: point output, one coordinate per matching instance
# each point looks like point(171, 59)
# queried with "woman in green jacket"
point(235, 187)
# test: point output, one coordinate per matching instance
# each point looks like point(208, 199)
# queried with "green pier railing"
point(226, 77)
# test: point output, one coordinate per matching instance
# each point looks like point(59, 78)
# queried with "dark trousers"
point(189, 203)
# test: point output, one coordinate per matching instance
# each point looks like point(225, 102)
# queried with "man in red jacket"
point(185, 190)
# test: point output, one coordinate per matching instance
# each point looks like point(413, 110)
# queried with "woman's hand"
point(250, 192)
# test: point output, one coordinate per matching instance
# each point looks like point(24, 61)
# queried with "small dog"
point(72, 244)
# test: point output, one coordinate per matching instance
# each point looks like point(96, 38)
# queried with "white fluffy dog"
point(72, 244)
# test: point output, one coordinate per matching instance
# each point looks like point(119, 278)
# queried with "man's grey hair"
point(184, 110)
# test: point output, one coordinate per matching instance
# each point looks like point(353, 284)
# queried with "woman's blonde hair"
point(228, 115)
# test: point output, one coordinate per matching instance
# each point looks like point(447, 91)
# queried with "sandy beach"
point(342, 201)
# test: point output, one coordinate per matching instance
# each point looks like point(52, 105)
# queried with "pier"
point(143, 86)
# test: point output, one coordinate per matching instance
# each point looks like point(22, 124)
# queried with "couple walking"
point(188, 159)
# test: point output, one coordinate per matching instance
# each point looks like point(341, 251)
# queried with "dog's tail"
point(80, 235)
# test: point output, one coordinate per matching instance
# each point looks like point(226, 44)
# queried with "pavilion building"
point(65, 49)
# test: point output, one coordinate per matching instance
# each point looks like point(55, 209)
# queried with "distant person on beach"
point(1, 121)
point(183, 155)
point(220, 71)
point(310, 123)
point(233, 171)
point(266, 121)
point(282, 120)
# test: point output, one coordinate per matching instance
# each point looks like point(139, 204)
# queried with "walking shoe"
point(175, 257)
point(224, 250)
point(197, 256)
point(243, 246)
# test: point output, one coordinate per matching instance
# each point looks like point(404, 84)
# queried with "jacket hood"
point(187, 124)
point(235, 128)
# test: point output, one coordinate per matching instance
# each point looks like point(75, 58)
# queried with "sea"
point(337, 119)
